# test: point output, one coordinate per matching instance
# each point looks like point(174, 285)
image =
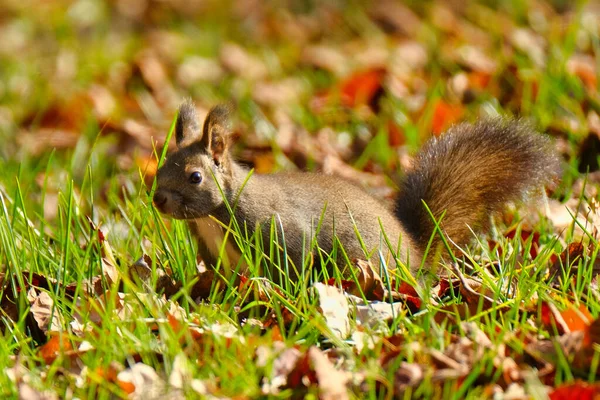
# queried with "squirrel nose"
point(160, 199)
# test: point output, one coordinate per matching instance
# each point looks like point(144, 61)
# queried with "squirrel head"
point(188, 182)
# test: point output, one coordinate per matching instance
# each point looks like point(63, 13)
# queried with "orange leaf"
point(127, 387)
point(276, 335)
point(57, 345)
point(148, 165)
point(479, 79)
point(444, 115)
point(579, 320)
point(110, 374)
point(362, 88)
point(396, 136)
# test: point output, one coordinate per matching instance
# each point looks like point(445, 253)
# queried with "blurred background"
point(89, 88)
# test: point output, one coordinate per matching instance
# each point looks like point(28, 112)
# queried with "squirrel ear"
point(216, 134)
point(187, 129)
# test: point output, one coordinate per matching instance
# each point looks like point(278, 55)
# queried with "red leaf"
point(525, 234)
point(362, 88)
point(396, 136)
point(576, 391)
point(405, 288)
point(346, 284)
point(444, 115)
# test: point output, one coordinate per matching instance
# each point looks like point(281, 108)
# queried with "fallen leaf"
point(525, 235)
point(397, 18)
point(144, 380)
point(325, 57)
point(44, 312)
point(57, 345)
point(36, 142)
point(408, 375)
point(577, 318)
point(576, 391)
point(362, 88)
point(27, 392)
point(334, 306)
point(110, 374)
point(155, 75)
point(276, 94)
point(283, 363)
point(376, 312)
point(444, 115)
point(195, 69)
point(584, 67)
point(531, 44)
point(237, 60)
point(332, 382)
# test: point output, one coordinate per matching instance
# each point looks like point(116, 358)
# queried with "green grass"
point(54, 203)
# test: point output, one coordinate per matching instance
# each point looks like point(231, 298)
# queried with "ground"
point(102, 297)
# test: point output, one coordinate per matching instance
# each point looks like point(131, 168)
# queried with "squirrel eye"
point(195, 177)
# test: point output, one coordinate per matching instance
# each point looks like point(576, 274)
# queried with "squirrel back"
point(469, 172)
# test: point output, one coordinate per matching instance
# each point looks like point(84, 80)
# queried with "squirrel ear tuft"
point(216, 134)
point(187, 129)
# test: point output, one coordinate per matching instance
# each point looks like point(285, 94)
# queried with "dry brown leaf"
point(148, 166)
point(241, 63)
point(27, 392)
point(45, 139)
point(181, 376)
point(334, 306)
point(332, 382)
point(584, 67)
point(408, 58)
point(139, 134)
point(376, 312)
point(283, 365)
point(110, 271)
point(202, 288)
point(546, 351)
point(156, 77)
point(277, 94)
point(103, 102)
point(531, 44)
point(408, 375)
point(328, 58)
point(46, 315)
point(475, 59)
point(396, 18)
point(196, 69)
point(144, 380)
point(368, 279)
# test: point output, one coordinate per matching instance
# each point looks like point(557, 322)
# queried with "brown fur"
point(470, 172)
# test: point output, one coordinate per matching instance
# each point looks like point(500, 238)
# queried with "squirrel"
point(465, 175)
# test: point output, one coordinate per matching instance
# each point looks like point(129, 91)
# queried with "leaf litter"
point(133, 106)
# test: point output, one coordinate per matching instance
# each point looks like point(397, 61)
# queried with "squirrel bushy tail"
point(470, 172)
